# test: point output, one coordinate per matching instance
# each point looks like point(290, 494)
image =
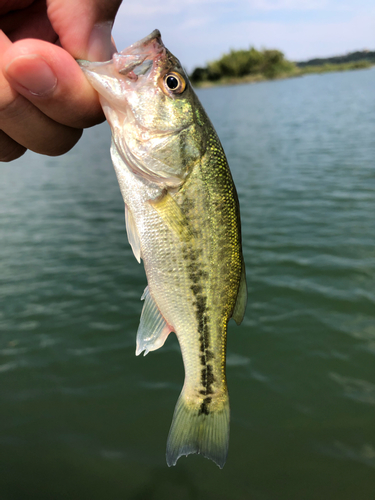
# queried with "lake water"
point(82, 418)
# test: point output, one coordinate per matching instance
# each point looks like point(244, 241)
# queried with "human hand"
point(45, 99)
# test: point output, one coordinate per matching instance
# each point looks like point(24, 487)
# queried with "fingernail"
point(100, 46)
point(33, 74)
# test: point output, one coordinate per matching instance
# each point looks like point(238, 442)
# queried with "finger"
point(30, 128)
point(49, 78)
point(27, 125)
point(84, 27)
point(9, 149)
point(10, 5)
point(28, 21)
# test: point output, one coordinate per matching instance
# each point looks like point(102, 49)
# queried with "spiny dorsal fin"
point(240, 306)
point(153, 330)
point(132, 232)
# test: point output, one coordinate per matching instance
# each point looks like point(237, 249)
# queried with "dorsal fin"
point(240, 306)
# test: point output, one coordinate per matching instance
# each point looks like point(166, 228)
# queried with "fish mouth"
point(138, 68)
point(136, 60)
point(135, 68)
point(144, 42)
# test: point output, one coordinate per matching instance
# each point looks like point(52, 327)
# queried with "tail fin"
point(199, 428)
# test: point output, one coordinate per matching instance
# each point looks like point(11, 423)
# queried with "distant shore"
point(299, 71)
point(251, 66)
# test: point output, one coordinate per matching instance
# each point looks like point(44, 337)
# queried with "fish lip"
point(149, 47)
point(145, 41)
point(128, 50)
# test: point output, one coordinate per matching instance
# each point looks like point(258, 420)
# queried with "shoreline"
point(298, 72)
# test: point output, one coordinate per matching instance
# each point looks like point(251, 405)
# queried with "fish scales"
point(207, 264)
point(183, 221)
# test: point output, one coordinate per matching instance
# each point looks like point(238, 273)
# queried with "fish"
point(183, 220)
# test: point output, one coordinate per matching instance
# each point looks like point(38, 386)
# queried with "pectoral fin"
point(172, 215)
point(240, 307)
point(153, 329)
point(132, 232)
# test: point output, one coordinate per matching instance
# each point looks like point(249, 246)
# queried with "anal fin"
point(153, 330)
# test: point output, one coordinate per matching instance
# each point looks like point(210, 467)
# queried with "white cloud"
point(148, 8)
point(197, 31)
point(287, 4)
point(307, 40)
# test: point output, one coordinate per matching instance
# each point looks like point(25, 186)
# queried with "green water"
point(82, 418)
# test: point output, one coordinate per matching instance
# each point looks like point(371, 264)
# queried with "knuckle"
point(9, 149)
point(10, 108)
point(64, 144)
point(13, 155)
point(24, 126)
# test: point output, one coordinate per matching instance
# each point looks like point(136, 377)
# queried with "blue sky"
point(198, 31)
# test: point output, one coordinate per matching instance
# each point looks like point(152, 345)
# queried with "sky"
point(199, 31)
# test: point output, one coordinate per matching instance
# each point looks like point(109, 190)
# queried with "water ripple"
point(360, 390)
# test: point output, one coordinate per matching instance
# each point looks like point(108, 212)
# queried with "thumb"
point(84, 27)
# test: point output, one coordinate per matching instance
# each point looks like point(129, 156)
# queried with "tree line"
point(267, 64)
point(240, 63)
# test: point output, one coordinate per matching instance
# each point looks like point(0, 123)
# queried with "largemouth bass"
point(182, 219)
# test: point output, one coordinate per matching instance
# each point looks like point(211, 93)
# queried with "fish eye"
point(174, 83)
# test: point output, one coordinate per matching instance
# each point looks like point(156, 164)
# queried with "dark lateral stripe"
point(197, 277)
point(204, 407)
